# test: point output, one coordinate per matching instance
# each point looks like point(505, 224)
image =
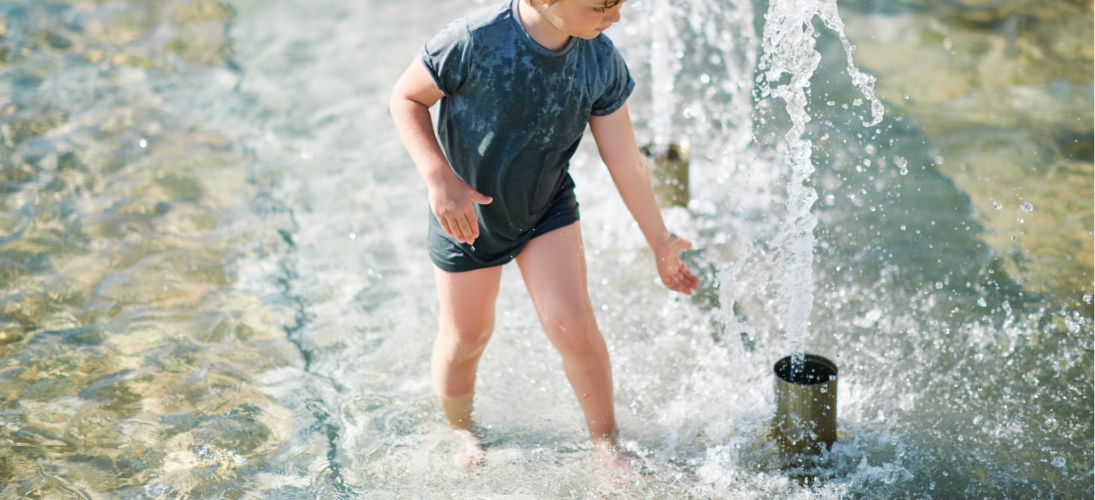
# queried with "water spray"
point(805, 384)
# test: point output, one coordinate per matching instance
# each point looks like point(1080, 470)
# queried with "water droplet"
point(981, 302)
point(143, 143)
point(1027, 207)
point(1019, 220)
point(1007, 308)
point(353, 236)
point(830, 103)
point(869, 149)
point(938, 285)
point(705, 78)
point(1087, 298)
point(902, 227)
point(305, 154)
point(857, 102)
point(1058, 461)
point(997, 205)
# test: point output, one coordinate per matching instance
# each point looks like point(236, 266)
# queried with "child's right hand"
point(451, 202)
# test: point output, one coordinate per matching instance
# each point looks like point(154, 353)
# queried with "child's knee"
point(570, 323)
point(470, 337)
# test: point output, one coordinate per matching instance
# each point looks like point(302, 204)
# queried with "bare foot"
point(470, 453)
point(619, 466)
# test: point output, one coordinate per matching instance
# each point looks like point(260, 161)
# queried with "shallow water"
point(214, 283)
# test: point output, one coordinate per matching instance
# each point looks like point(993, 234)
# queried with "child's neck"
point(540, 29)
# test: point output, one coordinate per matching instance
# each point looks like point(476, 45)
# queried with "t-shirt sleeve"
point(447, 57)
point(620, 85)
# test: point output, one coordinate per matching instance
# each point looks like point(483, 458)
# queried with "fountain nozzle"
point(669, 173)
point(805, 404)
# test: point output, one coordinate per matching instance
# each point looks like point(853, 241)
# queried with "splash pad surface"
point(215, 283)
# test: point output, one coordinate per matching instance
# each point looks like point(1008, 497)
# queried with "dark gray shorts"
point(454, 257)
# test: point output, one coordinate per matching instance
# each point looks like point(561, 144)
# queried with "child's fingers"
point(681, 287)
point(683, 281)
point(453, 229)
point(444, 221)
point(473, 226)
point(691, 279)
point(673, 282)
point(689, 283)
point(465, 228)
point(473, 222)
point(480, 198)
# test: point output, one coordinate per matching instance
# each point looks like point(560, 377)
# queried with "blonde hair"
point(548, 3)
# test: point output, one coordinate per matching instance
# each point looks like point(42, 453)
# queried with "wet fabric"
point(512, 115)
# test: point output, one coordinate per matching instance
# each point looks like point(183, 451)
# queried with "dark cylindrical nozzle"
point(669, 174)
point(805, 404)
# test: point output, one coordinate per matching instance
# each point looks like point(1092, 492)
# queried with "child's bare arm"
point(450, 198)
point(616, 142)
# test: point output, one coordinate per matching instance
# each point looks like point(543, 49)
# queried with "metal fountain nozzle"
point(805, 405)
point(668, 173)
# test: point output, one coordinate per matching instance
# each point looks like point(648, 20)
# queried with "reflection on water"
point(131, 336)
point(1008, 110)
point(214, 282)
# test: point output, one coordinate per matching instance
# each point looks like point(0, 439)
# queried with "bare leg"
point(466, 323)
point(554, 268)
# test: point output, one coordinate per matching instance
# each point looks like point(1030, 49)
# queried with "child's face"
point(582, 18)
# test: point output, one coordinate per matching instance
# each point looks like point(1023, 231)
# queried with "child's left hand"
point(675, 275)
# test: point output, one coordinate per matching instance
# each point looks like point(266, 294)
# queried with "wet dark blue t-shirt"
point(511, 117)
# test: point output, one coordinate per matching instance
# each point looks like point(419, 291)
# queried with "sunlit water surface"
point(215, 285)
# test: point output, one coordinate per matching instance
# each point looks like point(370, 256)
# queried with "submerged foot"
point(469, 453)
point(619, 466)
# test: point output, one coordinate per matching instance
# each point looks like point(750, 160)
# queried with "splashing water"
point(789, 50)
point(664, 67)
point(902, 164)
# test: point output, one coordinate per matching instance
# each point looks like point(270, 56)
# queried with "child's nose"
point(613, 15)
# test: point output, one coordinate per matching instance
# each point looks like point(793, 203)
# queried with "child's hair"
point(547, 3)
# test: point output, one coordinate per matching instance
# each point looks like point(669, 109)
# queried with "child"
point(518, 82)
